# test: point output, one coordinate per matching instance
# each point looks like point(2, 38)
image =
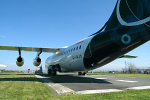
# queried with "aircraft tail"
point(127, 28)
point(130, 13)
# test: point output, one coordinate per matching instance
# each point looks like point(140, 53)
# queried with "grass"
point(20, 86)
point(121, 74)
point(117, 74)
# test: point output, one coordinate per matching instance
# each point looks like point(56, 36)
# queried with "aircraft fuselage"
point(97, 50)
point(127, 28)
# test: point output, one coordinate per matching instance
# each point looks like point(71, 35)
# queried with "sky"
point(53, 24)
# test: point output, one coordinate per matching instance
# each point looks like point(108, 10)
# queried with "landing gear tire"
point(49, 72)
point(52, 72)
point(81, 73)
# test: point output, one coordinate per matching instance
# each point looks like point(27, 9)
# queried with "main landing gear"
point(81, 73)
point(52, 72)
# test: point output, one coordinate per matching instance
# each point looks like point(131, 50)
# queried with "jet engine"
point(37, 61)
point(19, 61)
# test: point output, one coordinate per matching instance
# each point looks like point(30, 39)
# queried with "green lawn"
point(121, 74)
point(20, 86)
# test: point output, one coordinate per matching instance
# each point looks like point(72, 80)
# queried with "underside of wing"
point(37, 60)
point(34, 49)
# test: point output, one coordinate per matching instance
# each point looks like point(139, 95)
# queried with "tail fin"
point(130, 13)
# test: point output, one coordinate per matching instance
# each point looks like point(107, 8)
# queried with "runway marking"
point(139, 87)
point(98, 91)
point(111, 90)
point(126, 81)
point(100, 78)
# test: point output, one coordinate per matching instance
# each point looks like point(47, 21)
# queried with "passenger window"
point(80, 47)
point(74, 49)
point(77, 48)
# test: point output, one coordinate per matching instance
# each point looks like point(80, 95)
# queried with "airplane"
point(1, 65)
point(127, 28)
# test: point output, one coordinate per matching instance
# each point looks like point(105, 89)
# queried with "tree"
point(132, 68)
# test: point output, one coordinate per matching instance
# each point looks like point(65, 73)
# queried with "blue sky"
point(55, 23)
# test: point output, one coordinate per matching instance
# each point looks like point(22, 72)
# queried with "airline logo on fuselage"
point(139, 22)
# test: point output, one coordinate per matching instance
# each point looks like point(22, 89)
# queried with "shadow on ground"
point(16, 74)
point(54, 79)
point(18, 77)
point(73, 79)
point(22, 79)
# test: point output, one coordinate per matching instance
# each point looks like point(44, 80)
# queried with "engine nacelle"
point(19, 61)
point(37, 61)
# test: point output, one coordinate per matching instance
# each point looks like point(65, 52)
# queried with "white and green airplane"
point(127, 28)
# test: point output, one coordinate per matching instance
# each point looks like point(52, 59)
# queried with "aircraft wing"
point(34, 49)
point(128, 56)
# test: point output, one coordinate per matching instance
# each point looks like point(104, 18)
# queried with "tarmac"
point(90, 84)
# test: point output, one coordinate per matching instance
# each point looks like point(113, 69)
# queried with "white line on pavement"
point(126, 81)
point(98, 91)
point(100, 78)
point(139, 87)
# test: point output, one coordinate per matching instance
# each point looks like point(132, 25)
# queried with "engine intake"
point(19, 61)
point(37, 61)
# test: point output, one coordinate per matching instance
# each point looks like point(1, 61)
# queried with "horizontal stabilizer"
point(128, 56)
point(34, 49)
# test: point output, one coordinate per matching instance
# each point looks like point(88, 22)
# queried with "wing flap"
point(33, 49)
